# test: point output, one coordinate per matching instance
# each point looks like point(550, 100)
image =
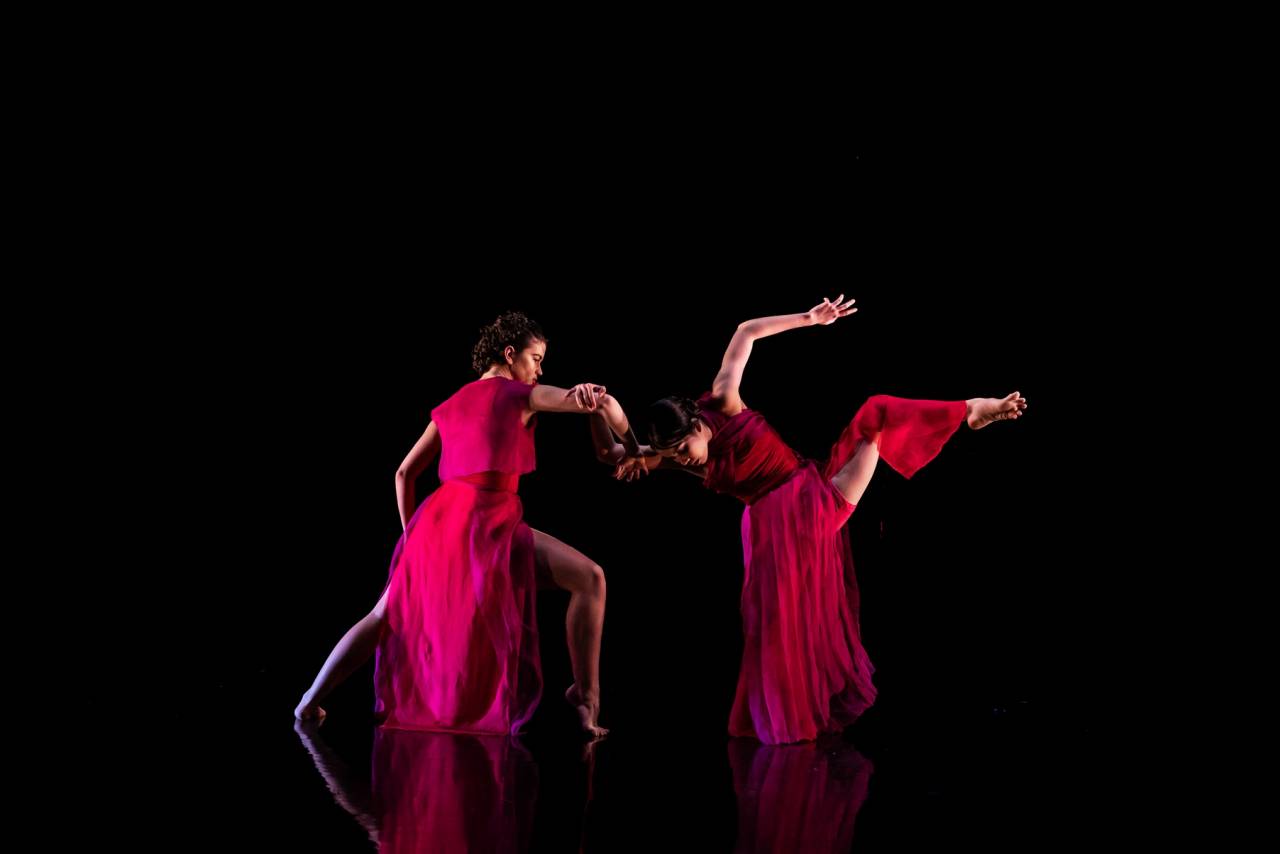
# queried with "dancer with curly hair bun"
point(455, 630)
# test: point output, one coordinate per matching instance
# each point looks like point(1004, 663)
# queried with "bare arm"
point(608, 449)
point(419, 457)
point(630, 458)
point(699, 472)
point(725, 387)
point(632, 467)
point(591, 399)
point(613, 447)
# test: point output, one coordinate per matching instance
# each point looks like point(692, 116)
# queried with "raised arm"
point(419, 457)
point(725, 387)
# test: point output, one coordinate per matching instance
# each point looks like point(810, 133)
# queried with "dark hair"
point(670, 420)
point(512, 329)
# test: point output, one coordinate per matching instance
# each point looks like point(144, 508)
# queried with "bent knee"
point(594, 579)
point(880, 400)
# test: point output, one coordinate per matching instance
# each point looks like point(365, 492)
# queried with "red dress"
point(459, 648)
point(804, 670)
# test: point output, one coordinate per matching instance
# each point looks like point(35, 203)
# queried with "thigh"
point(560, 565)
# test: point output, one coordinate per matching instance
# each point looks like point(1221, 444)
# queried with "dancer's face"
point(526, 365)
point(692, 449)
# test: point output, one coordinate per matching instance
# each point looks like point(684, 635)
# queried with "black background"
point(346, 292)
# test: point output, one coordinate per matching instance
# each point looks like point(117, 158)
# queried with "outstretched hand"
point(828, 312)
point(633, 467)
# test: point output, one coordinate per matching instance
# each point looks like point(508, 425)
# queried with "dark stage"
point(979, 606)
point(988, 606)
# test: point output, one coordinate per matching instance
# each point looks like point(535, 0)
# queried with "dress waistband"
point(493, 481)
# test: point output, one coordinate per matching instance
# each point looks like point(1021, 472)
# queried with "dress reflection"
point(435, 791)
point(797, 797)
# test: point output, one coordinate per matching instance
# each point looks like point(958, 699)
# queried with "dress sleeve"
point(515, 396)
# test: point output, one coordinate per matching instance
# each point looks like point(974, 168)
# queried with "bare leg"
point(981, 411)
point(355, 648)
point(350, 790)
point(571, 570)
point(853, 477)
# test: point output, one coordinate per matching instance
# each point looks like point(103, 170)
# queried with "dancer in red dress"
point(804, 670)
point(455, 629)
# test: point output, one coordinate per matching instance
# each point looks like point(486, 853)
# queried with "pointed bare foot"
point(982, 411)
point(309, 710)
point(588, 709)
